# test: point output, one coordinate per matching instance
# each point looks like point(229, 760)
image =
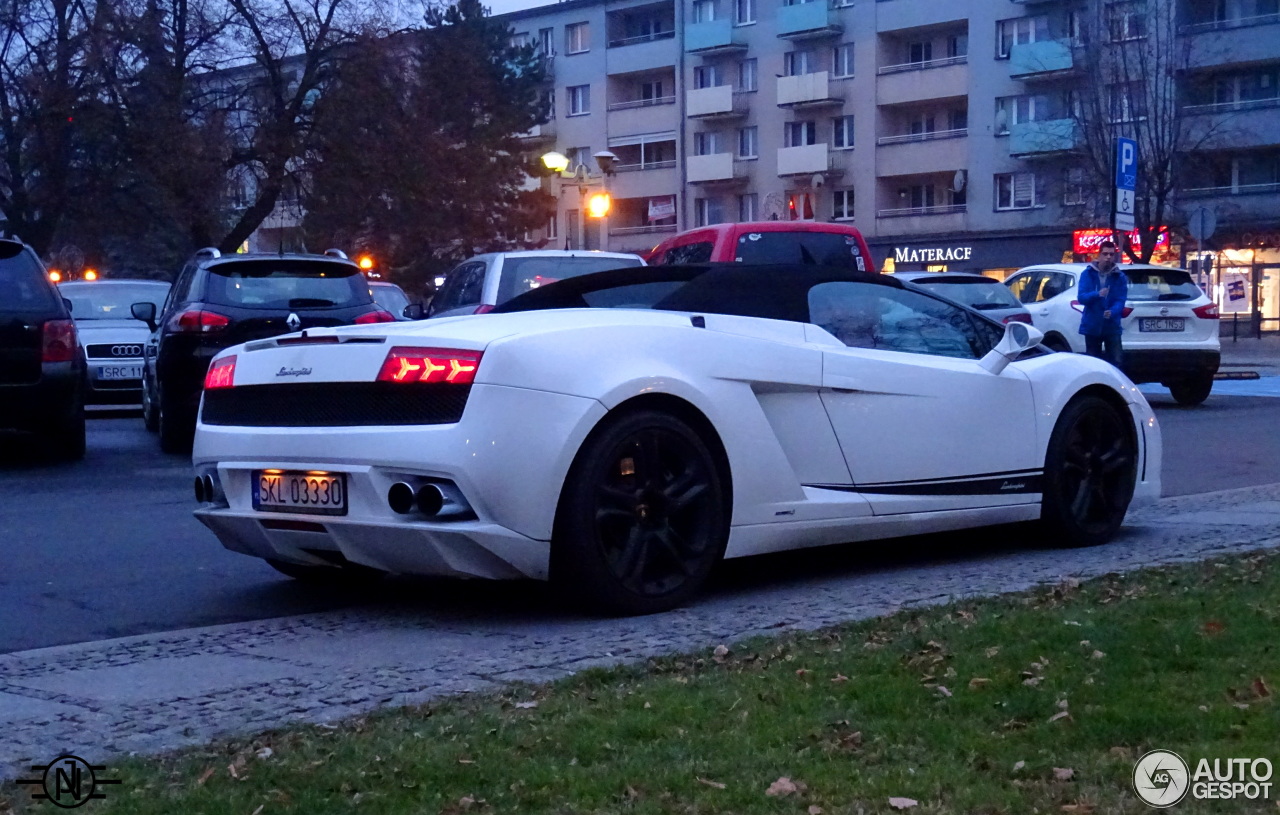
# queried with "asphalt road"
point(107, 547)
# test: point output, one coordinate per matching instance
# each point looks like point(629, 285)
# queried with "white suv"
point(1170, 326)
point(485, 281)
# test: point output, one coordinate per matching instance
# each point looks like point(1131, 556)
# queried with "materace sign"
point(1087, 241)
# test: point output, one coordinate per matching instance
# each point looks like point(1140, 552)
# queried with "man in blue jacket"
point(1102, 294)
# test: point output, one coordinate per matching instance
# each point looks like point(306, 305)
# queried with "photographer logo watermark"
point(1161, 779)
point(68, 781)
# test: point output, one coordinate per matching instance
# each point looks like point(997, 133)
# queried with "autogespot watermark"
point(1161, 779)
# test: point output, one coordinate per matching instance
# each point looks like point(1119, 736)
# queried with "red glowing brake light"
point(484, 309)
point(375, 316)
point(1127, 311)
point(199, 321)
point(1209, 311)
point(406, 364)
point(1021, 317)
point(58, 341)
point(222, 374)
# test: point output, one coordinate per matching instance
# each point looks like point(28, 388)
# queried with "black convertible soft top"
point(778, 292)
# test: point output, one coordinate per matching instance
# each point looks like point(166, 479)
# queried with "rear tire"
point(150, 416)
point(643, 516)
point(66, 440)
point(1057, 344)
point(177, 431)
point(348, 575)
point(1191, 392)
point(1090, 470)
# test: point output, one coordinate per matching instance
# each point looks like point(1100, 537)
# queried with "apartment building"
point(943, 129)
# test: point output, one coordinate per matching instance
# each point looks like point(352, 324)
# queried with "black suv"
point(223, 300)
point(42, 367)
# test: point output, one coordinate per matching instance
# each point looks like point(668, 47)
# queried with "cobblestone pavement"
point(157, 692)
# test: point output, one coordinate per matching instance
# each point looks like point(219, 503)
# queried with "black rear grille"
point(335, 404)
point(114, 350)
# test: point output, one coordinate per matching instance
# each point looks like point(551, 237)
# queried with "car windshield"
point(391, 298)
point(983, 295)
point(22, 283)
point(286, 284)
point(1161, 284)
point(109, 300)
point(809, 248)
point(522, 274)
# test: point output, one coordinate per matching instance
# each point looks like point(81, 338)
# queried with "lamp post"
point(598, 205)
point(607, 161)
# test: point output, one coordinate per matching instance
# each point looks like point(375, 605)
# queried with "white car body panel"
point(767, 387)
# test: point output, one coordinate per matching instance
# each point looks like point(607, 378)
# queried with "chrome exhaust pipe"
point(400, 497)
point(202, 496)
point(436, 500)
point(210, 488)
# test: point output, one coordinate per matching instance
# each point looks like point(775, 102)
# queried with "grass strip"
point(1025, 703)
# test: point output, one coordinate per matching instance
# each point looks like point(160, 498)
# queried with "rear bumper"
point(54, 399)
point(1165, 365)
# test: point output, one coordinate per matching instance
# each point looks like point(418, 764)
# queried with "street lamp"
point(558, 163)
point(607, 162)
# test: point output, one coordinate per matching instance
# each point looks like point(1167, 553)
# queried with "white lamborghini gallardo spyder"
point(622, 432)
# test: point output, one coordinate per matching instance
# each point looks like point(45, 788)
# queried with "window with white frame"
point(798, 63)
point(1127, 21)
point(842, 205)
point(798, 134)
point(706, 76)
point(1127, 101)
point(1012, 110)
point(546, 41)
point(553, 227)
point(706, 143)
point(520, 39)
point(958, 45)
point(842, 60)
point(747, 206)
point(922, 123)
point(579, 155)
point(578, 98)
point(748, 142)
point(707, 211)
point(917, 196)
point(704, 11)
point(1017, 191)
point(651, 91)
point(1020, 31)
point(1074, 187)
point(747, 75)
point(842, 132)
point(744, 11)
point(919, 51)
point(577, 38)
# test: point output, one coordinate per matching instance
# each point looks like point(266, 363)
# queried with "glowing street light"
point(55, 276)
point(555, 162)
point(365, 262)
point(90, 274)
point(598, 205)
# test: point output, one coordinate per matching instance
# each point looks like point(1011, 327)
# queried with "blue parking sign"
point(1126, 164)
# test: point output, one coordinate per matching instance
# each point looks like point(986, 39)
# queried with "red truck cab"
point(806, 242)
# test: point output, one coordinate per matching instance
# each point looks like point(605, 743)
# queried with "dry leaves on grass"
point(1063, 773)
point(783, 786)
point(903, 803)
point(721, 653)
point(711, 783)
point(526, 705)
point(978, 682)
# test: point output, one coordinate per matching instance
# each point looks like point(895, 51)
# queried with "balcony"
point(1043, 139)
point(924, 153)
point(1041, 60)
point(719, 102)
point(712, 37)
point(539, 134)
point(806, 91)
point(923, 220)
point(1223, 42)
point(643, 53)
point(716, 168)
point(807, 20)
point(804, 160)
point(904, 85)
point(1236, 125)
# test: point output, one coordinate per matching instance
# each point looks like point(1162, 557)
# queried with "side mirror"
point(1017, 338)
point(70, 306)
point(414, 311)
point(145, 312)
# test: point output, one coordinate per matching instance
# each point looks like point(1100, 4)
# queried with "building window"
point(842, 205)
point(651, 91)
point(747, 75)
point(745, 12)
point(958, 45)
point(958, 119)
point(579, 156)
point(577, 38)
point(800, 206)
point(917, 196)
point(1127, 21)
point(706, 76)
point(546, 42)
point(798, 134)
point(1012, 110)
point(842, 60)
point(704, 11)
point(706, 144)
point(748, 142)
point(1128, 101)
point(798, 63)
point(923, 123)
point(1020, 31)
point(747, 206)
point(1017, 191)
point(579, 99)
point(1074, 189)
point(520, 40)
point(842, 132)
point(919, 51)
point(707, 211)
point(553, 227)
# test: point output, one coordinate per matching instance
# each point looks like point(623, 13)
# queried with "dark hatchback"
point(223, 300)
point(42, 369)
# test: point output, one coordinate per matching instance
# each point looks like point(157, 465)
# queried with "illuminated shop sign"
point(949, 254)
point(1087, 241)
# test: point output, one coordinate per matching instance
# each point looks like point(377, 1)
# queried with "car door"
point(921, 424)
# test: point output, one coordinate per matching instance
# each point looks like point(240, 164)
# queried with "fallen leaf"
point(903, 803)
point(1260, 688)
point(1097, 655)
point(815, 810)
point(231, 768)
point(1019, 765)
point(204, 776)
point(783, 786)
point(992, 651)
point(647, 705)
point(720, 652)
point(978, 682)
point(466, 802)
point(1213, 627)
point(465, 761)
point(1063, 773)
point(1062, 704)
point(632, 794)
point(1242, 706)
point(1204, 708)
point(1070, 622)
point(259, 809)
point(1083, 809)
point(1062, 714)
point(526, 705)
point(265, 753)
point(840, 678)
point(1032, 681)
point(711, 783)
point(943, 690)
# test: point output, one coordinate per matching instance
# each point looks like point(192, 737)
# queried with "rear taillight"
point(375, 316)
point(484, 309)
point(222, 374)
point(1127, 311)
point(199, 321)
point(1209, 311)
point(1075, 304)
point(58, 341)
point(404, 364)
point(1018, 318)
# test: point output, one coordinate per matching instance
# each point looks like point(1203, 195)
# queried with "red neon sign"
point(1087, 241)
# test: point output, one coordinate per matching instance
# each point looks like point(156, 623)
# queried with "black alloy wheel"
point(1090, 472)
point(643, 517)
point(1192, 392)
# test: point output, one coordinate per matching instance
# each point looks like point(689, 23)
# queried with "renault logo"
point(294, 322)
point(126, 350)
